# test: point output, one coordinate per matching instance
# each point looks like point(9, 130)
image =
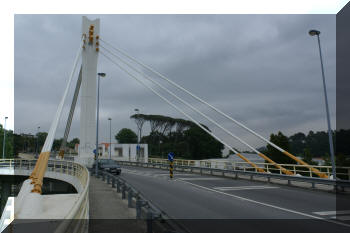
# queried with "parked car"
point(108, 165)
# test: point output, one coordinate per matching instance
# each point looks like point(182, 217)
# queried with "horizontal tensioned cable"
point(181, 111)
point(201, 113)
point(314, 170)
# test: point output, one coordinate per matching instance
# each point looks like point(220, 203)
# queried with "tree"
point(126, 136)
point(41, 137)
point(57, 144)
point(73, 142)
point(307, 157)
point(297, 143)
point(282, 141)
point(201, 144)
point(9, 153)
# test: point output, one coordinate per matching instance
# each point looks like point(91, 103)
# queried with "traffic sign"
point(171, 156)
point(171, 165)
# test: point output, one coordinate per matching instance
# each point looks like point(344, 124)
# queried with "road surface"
point(202, 202)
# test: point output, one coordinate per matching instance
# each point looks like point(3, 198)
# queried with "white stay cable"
point(316, 171)
point(192, 95)
point(50, 137)
point(177, 108)
point(189, 105)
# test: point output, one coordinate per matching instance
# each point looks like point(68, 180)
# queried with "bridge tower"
point(88, 97)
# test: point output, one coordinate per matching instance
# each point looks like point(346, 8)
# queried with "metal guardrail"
point(81, 206)
point(234, 165)
point(145, 209)
point(337, 184)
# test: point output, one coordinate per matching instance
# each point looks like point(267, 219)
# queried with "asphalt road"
point(202, 202)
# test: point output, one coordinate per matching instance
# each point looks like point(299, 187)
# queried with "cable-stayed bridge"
point(197, 192)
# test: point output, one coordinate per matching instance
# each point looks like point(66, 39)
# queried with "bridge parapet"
point(298, 180)
point(342, 172)
point(29, 205)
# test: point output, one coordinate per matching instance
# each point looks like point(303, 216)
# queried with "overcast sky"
point(263, 70)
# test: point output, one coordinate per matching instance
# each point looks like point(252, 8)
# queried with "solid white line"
point(343, 218)
point(236, 188)
point(332, 212)
point(268, 205)
point(203, 178)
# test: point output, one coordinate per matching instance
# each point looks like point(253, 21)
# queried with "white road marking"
point(266, 204)
point(343, 218)
point(323, 213)
point(236, 188)
point(200, 178)
point(338, 215)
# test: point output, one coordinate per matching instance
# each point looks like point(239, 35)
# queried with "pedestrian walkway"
point(108, 212)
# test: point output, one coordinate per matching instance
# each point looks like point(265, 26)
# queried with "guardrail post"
point(129, 198)
point(108, 179)
point(149, 220)
point(118, 186)
point(269, 179)
point(313, 185)
point(289, 182)
point(123, 191)
point(138, 206)
point(113, 182)
point(103, 176)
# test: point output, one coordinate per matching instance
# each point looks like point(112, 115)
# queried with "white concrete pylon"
point(91, 28)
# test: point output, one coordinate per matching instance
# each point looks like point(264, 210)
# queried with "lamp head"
point(109, 118)
point(6, 118)
point(314, 32)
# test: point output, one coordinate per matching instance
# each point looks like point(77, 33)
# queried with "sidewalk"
point(108, 212)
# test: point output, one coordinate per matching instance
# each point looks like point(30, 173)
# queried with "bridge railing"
point(342, 172)
point(302, 181)
point(78, 174)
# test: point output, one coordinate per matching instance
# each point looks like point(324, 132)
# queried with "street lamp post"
point(37, 143)
point(99, 75)
point(4, 142)
point(330, 137)
point(138, 140)
point(110, 138)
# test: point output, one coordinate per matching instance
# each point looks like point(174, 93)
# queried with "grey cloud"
point(261, 69)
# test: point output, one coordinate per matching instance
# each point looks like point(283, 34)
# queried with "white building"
point(124, 152)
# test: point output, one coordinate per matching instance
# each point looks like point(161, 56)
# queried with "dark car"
point(109, 165)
